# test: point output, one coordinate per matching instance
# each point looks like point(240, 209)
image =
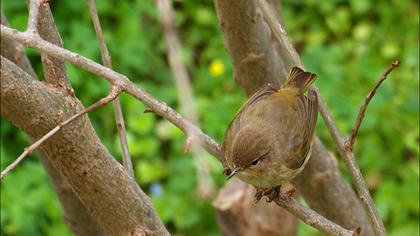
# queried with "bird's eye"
point(255, 162)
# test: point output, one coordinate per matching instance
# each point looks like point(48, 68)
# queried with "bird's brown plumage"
point(276, 126)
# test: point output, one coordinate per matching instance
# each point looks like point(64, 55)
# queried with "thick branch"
point(106, 60)
point(114, 93)
point(237, 215)
point(75, 214)
point(55, 71)
point(248, 41)
point(322, 183)
point(110, 195)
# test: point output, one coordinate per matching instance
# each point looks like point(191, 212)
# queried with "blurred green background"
point(347, 43)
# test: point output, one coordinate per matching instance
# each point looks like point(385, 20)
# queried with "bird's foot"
point(274, 193)
point(258, 194)
point(270, 193)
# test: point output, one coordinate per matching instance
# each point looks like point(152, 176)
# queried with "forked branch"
point(120, 80)
point(111, 96)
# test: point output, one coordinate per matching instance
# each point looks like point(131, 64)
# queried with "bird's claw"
point(273, 194)
point(270, 193)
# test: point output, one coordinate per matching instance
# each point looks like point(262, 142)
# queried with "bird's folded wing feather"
point(306, 117)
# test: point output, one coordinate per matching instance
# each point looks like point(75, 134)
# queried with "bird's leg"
point(258, 194)
point(270, 193)
point(274, 193)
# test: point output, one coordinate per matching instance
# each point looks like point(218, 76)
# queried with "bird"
point(270, 139)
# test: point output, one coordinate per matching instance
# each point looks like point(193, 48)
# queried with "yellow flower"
point(216, 68)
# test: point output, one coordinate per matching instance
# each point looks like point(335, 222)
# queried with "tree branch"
point(55, 71)
point(312, 218)
point(236, 215)
point(106, 59)
point(33, 16)
point(111, 96)
point(250, 46)
point(321, 182)
point(348, 145)
point(75, 214)
point(111, 196)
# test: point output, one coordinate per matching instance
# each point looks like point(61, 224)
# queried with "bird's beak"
point(234, 172)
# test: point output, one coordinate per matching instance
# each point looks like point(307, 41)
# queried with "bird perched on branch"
point(270, 139)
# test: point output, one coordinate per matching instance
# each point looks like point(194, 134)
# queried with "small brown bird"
point(270, 139)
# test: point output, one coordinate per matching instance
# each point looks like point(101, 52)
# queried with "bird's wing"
point(300, 143)
point(235, 124)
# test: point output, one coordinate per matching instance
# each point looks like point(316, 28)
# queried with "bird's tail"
point(299, 79)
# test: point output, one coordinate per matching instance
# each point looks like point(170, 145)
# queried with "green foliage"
point(28, 206)
point(347, 43)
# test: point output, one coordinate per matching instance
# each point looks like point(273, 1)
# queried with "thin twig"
point(111, 96)
point(126, 85)
point(314, 219)
point(33, 16)
point(106, 59)
point(349, 143)
point(348, 157)
point(205, 183)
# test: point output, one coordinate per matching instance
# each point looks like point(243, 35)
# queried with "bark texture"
point(246, 34)
point(75, 214)
point(14, 52)
point(237, 215)
point(324, 188)
point(248, 41)
point(55, 71)
point(101, 183)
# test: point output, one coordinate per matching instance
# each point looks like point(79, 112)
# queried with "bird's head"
point(251, 151)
